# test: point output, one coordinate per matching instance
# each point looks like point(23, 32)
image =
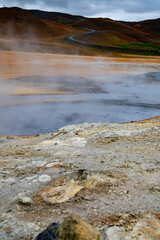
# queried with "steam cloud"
point(42, 92)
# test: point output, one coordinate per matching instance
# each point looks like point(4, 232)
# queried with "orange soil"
point(13, 64)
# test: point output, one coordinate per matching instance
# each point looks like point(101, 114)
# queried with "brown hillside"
point(151, 27)
point(16, 23)
point(19, 24)
point(115, 32)
point(109, 38)
point(103, 24)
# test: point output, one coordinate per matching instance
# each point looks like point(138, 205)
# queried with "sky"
point(129, 10)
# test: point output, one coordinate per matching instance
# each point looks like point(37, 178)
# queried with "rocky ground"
point(106, 173)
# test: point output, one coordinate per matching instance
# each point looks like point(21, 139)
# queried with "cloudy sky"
point(115, 9)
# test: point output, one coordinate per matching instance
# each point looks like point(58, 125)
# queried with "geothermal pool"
point(32, 104)
point(78, 100)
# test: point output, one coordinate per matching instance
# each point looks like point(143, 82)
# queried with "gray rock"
point(17, 229)
point(25, 200)
point(51, 233)
point(115, 233)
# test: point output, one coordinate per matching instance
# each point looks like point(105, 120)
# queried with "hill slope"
point(63, 18)
point(151, 27)
point(110, 32)
point(16, 23)
point(50, 27)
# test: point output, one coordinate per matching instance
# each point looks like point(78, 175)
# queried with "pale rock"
point(35, 180)
point(10, 180)
point(25, 200)
point(79, 142)
point(38, 163)
point(51, 164)
point(60, 194)
point(120, 132)
point(31, 178)
point(44, 178)
point(115, 233)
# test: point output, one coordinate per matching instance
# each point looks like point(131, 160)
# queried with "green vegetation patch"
point(149, 47)
point(124, 46)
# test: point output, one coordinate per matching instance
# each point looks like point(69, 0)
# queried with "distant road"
point(73, 39)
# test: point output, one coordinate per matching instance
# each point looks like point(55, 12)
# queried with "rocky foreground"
point(108, 174)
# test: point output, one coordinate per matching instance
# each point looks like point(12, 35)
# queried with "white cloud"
point(124, 16)
point(116, 9)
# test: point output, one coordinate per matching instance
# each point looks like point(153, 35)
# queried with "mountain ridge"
point(50, 27)
point(17, 23)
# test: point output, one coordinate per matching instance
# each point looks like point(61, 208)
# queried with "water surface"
point(40, 104)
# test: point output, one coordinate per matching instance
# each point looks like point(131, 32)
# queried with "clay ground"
point(17, 64)
point(106, 173)
point(13, 64)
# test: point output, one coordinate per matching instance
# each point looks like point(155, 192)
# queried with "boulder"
point(51, 233)
point(74, 228)
point(25, 200)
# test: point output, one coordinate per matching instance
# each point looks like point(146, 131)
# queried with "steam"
point(43, 92)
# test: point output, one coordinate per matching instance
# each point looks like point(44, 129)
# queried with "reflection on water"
point(37, 104)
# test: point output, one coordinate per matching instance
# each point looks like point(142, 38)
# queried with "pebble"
point(44, 178)
point(31, 178)
point(115, 233)
point(79, 142)
point(64, 212)
point(25, 200)
point(10, 180)
point(35, 180)
point(51, 164)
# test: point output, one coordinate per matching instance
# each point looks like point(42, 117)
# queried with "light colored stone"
point(79, 142)
point(35, 181)
point(60, 194)
point(48, 143)
point(66, 187)
point(115, 233)
point(44, 178)
point(38, 163)
point(9, 180)
point(77, 127)
point(120, 132)
point(25, 200)
point(51, 164)
point(31, 178)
